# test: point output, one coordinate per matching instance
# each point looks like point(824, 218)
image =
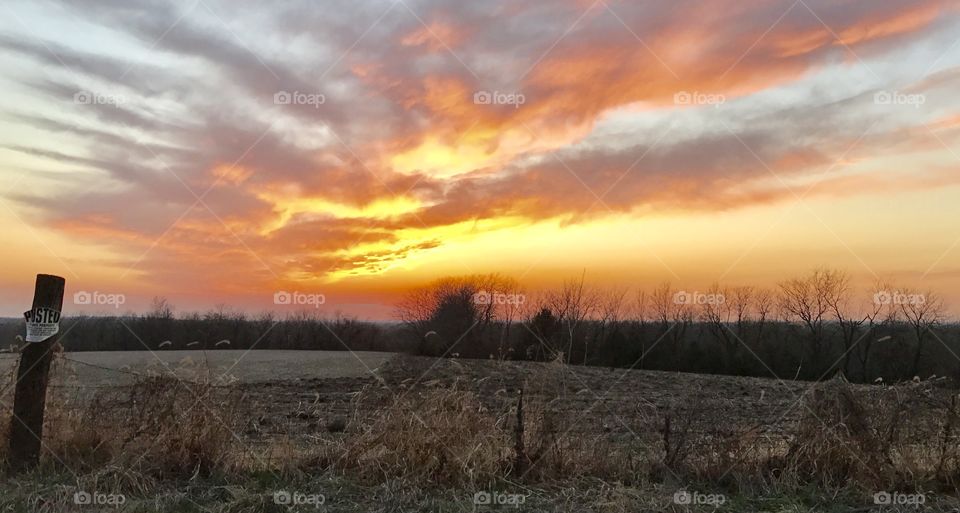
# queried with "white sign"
point(42, 323)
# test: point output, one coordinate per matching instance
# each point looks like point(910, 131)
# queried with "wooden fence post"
point(520, 453)
point(26, 426)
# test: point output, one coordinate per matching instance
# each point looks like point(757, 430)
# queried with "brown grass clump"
point(179, 427)
point(7, 381)
point(901, 437)
point(555, 451)
point(845, 437)
point(556, 447)
point(160, 426)
point(442, 436)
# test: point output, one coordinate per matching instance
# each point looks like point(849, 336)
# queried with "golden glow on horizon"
point(756, 245)
point(426, 238)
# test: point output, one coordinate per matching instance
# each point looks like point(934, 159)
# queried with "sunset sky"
point(215, 151)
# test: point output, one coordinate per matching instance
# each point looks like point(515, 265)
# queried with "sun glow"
point(442, 160)
point(420, 242)
point(384, 208)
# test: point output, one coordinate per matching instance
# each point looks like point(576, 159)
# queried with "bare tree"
point(642, 305)
point(877, 314)
point(662, 303)
point(674, 317)
point(923, 312)
point(740, 300)
point(850, 314)
point(717, 315)
point(807, 300)
point(764, 301)
point(509, 302)
point(416, 307)
point(573, 304)
point(642, 315)
point(455, 309)
point(159, 320)
point(609, 311)
point(725, 314)
point(160, 308)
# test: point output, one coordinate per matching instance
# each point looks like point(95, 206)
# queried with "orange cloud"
point(400, 159)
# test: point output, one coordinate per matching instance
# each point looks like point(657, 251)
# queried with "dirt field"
point(121, 367)
point(299, 393)
point(304, 401)
point(619, 403)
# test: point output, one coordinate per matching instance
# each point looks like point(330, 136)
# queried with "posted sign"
point(42, 323)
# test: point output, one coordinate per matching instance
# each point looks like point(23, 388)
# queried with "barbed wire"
point(101, 367)
point(722, 425)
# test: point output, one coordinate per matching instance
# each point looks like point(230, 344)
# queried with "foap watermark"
point(83, 498)
point(498, 298)
point(895, 297)
point(295, 498)
point(92, 98)
point(695, 498)
point(96, 298)
point(298, 98)
point(284, 298)
point(499, 98)
point(698, 298)
point(898, 499)
point(698, 98)
point(498, 499)
point(898, 98)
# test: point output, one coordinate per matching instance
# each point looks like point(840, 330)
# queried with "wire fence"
point(560, 405)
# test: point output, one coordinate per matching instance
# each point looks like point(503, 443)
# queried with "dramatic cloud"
point(313, 140)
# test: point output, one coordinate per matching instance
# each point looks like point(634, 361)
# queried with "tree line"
point(807, 327)
point(161, 329)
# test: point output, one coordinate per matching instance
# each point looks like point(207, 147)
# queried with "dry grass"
point(890, 438)
point(164, 429)
point(836, 442)
point(7, 381)
point(451, 436)
point(161, 427)
point(553, 452)
point(440, 436)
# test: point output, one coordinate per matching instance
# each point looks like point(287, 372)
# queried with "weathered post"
point(520, 453)
point(43, 324)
